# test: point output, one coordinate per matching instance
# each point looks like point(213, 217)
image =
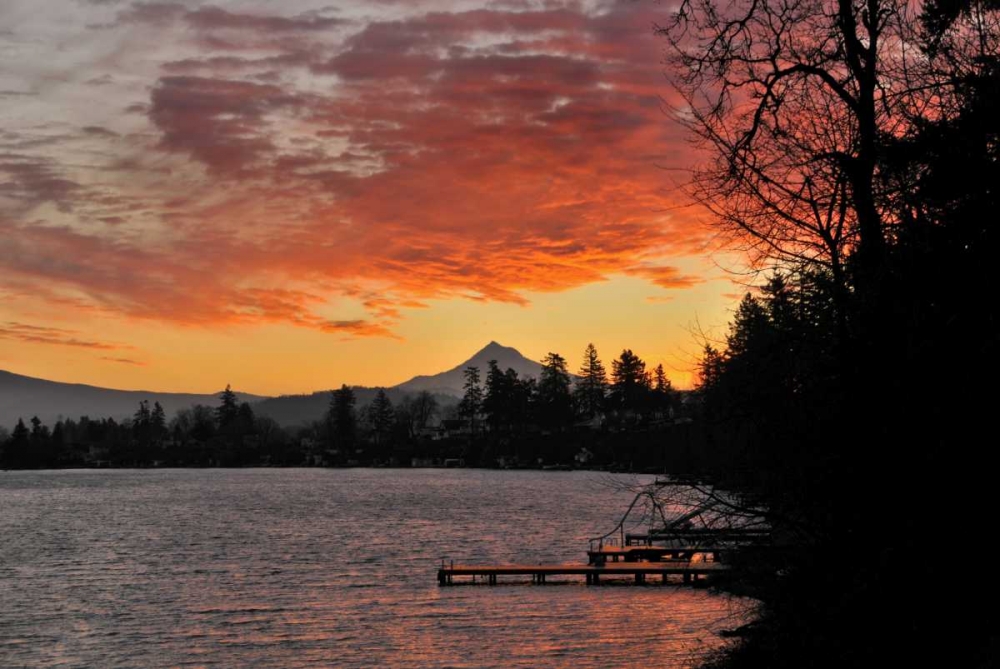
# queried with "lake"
point(323, 567)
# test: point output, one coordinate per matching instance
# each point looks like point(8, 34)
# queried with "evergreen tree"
point(20, 433)
point(663, 392)
point(381, 416)
point(228, 408)
point(472, 399)
point(38, 431)
point(38, 451)
point(555, 403)
point(158, 422)
point(522, 402)
point(592, 387)
point(142, 414)
point(245, 419)
point(16, 453)
point(750, 324)
point(342, 419)
point(630, 384)
point(709, 369)
point(141, 432)
point(56, 443)
point(497, 400)
point(661, 383)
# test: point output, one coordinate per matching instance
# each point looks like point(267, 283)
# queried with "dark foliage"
point(852, 394)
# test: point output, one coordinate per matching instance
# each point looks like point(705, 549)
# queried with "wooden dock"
point(647, 553)
point(699, 535)
point(670, 548)
point(689, 571)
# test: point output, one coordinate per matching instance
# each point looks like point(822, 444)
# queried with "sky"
point(287, 196)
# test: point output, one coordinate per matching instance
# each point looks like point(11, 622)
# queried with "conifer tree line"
point(556, 401)
point(501, 417)
point(504, 418)
point(229, 434)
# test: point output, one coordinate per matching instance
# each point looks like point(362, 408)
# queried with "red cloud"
point(478, 154)
point(31, 180)
point(357, 328)
point(125, 361)
point(210, 18)
point(34, 334)
point(216, 121)
point(214, 18)
point(664, 277)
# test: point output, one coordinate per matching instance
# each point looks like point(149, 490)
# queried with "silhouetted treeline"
point(852, 397)
point(227, 435)
point(632, 420)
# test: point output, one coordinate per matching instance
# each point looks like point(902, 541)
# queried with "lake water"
point(323, 567)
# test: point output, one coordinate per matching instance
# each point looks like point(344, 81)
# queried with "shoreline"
point(561, 470)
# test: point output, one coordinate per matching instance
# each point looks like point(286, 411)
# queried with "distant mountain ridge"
point(446, 387)
point(25, 396)
point(293, 410)
point(452, 381)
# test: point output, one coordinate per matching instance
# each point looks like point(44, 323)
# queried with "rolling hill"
point(25, 396)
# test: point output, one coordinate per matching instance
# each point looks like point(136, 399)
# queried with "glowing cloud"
point(205, 164)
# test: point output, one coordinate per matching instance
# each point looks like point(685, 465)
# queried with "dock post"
point(597, 578)
point(687, 578)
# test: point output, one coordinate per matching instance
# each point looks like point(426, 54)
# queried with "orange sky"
point(286, 196)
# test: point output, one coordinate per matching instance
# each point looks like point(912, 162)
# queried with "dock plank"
point(539, 572)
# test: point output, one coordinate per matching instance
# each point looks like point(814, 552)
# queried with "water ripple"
point(298, 568)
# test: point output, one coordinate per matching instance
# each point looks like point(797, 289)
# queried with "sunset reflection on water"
point(323, 568)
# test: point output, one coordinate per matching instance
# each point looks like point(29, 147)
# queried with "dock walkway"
point(690, 571)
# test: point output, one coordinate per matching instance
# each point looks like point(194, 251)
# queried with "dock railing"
point(618, 537)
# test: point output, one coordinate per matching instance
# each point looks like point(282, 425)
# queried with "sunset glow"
point(289, 196)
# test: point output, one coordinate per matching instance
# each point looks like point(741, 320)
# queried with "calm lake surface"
point(323, 567)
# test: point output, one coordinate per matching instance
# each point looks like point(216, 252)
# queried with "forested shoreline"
point(635, 420)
